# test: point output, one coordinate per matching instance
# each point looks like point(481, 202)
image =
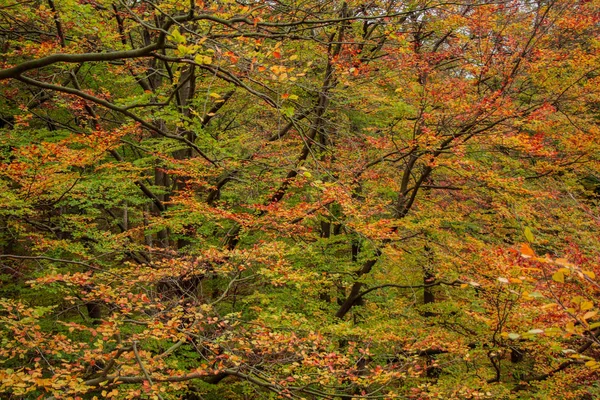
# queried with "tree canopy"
point(248, 199)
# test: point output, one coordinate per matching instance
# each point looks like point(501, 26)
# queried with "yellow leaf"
point(586, 305)
point(563, 262)
point(590, 363)
point(215, 95)
point(589, 314)
point(589, 274)
point(577, 300)
point(558, 276)
point(528, 234)
point(294, 57)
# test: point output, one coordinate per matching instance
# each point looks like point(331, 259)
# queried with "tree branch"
point(17, 70)
point(116, 108)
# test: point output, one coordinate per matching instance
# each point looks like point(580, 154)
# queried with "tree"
point(253, 199)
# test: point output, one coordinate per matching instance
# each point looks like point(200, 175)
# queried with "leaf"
point(558, 276)
point(526, 251)
point(528, 234)
point(563, 262)
point(589, 274)
point(535, 331)
point(577, 299)
point(589, 314)
point(177, 37)
point(184, 50)
point(203, 59)
point(288, 111)
point(514, 336)
point(586, 305)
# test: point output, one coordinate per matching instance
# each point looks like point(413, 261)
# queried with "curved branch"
point(355, 295)
point(116, 108)
point(16, 257)
point(564, 365)
point(143, 368)
point(392, 285)
point(17, 70)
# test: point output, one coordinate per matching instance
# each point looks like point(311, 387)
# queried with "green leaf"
point(184, 50)
point(202, 59)
point(177, 37)
point(595, 325)
point(288, 111)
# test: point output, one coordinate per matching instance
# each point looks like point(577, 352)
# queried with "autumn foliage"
point(312, 200)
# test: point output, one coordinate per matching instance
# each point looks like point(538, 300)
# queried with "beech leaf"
point(558, 276)
point(528, 234)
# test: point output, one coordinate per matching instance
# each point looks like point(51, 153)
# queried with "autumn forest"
point(265, 199)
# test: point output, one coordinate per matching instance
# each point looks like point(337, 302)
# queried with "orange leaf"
point(526, 251)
